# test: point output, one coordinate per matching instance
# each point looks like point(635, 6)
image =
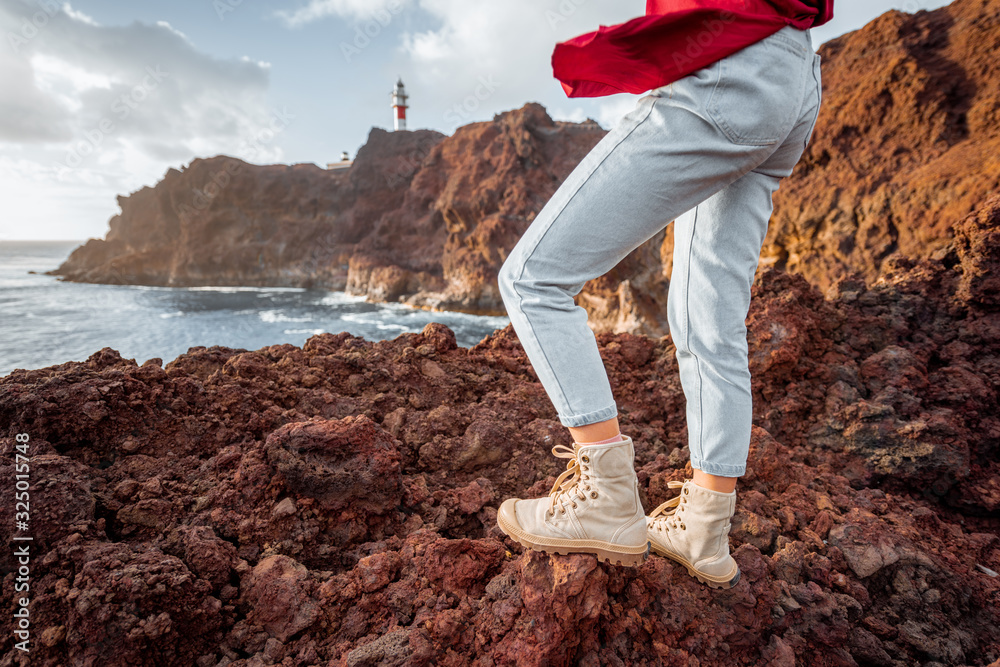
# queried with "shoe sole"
point(613, 554)
point(725, 582)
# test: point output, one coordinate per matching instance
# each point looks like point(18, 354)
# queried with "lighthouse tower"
point(399, 106)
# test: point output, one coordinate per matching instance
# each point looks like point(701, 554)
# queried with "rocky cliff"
point(418, 216)
point(335, 504)
point(907, 143)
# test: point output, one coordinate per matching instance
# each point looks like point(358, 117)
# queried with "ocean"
point(46, 321)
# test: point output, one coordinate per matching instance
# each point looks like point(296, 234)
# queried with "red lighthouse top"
point(399, 106)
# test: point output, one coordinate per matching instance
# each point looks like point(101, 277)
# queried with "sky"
point(98, 98)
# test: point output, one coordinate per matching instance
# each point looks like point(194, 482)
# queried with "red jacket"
point(673, 39)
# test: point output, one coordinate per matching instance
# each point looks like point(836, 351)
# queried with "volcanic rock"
point(335, 503)
point(906, 143)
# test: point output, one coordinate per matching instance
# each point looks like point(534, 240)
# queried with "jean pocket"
point(759, 90)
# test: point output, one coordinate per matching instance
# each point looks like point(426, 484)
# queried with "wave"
point(240, 288)
point(303, 331)
point(337, 298)
point(278, 316)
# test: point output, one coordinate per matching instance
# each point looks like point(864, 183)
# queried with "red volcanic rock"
point(277, 592)
point(977, 241)
point(335, 503)
point(211, 557)
point(349, 463)
point(905, 145)
point(223, 221)
point(55, 510)
point(565, 598)
point(100, 603)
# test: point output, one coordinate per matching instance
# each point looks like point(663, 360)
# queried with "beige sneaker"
point(593, 507)
point(695, 533)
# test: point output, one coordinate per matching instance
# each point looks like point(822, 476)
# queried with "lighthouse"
point(399, 106)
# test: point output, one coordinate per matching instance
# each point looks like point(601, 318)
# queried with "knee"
point(517, 278)
point(506, 276)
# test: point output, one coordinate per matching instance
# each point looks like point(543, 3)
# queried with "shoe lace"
point(568, 485)
point(666, 515)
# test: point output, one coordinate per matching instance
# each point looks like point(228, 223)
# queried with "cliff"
point(335, 504)
point(418, 216)
point(907, 142)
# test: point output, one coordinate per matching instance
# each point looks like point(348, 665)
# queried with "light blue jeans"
point(706, 153)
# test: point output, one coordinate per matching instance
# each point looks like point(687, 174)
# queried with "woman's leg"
point(661, 160)
point(716, 252)
point(672, 152)
point(675, 150)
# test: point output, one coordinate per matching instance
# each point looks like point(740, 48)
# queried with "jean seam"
point(687, 324)
point(819, 102)
point(796, 46)
point(520, 274)
point(725, 470)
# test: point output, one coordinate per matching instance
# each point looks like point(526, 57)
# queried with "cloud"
point(147, 81)
point(110, 108)
point(28, 113)
point(78, 16)
point(354, 9)
point(509, 44)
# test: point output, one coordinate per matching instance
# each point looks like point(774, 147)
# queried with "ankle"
point(589, 433)
point(716, 483)
point(615, 438)
point(719, 492)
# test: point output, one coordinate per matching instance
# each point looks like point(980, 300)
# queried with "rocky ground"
point(335, 504)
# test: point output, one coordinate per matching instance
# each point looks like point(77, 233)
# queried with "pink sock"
point(615, 438)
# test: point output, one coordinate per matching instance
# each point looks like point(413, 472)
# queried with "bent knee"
point(517, 278)
point(507, 274)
